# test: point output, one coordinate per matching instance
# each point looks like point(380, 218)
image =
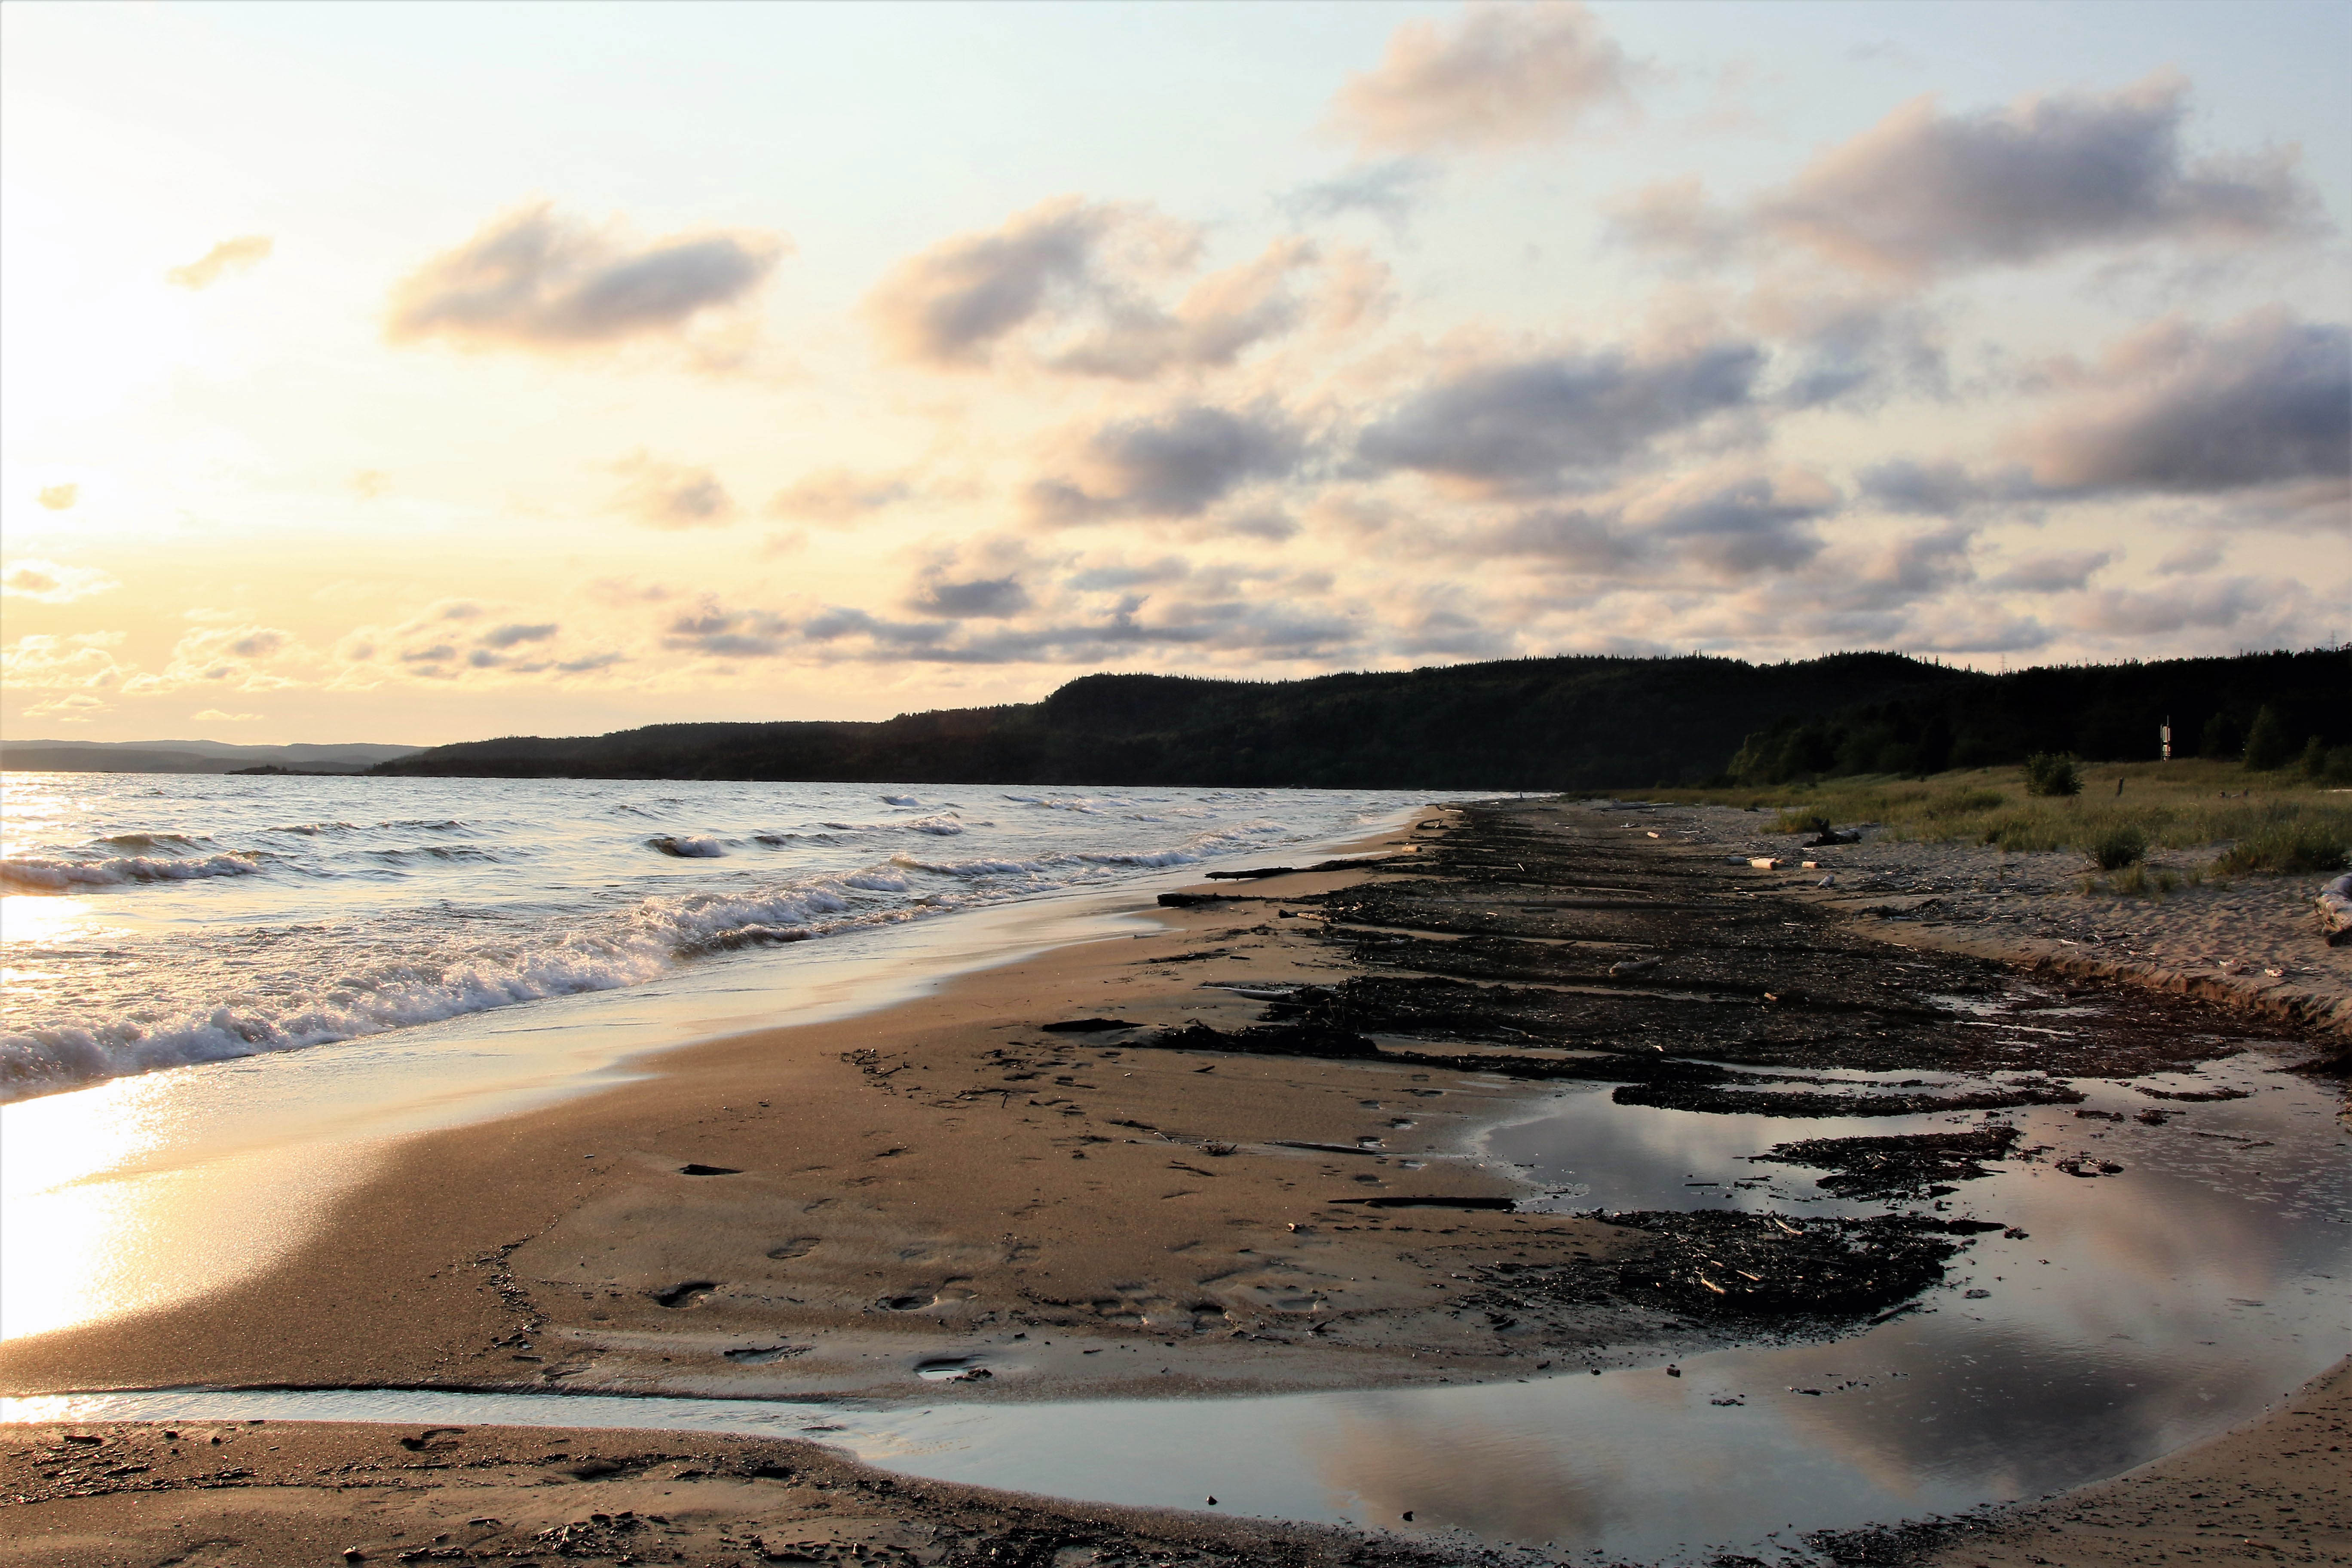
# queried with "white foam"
point(687, 846)
point(33, 874)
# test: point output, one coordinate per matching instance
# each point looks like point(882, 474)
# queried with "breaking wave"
point(687, 846)
point(438, 899)
point(32, 874)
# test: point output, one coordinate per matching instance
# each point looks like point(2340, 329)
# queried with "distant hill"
point(1539, 724)
point(190, 757)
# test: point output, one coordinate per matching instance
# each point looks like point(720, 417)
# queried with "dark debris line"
point(1540, 939)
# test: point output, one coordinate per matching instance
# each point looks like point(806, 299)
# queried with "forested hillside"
point(1543, 723)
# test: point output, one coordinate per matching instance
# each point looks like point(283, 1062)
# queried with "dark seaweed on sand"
point(1720, 1264)
point(1897, 1165)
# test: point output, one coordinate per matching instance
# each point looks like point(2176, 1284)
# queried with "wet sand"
point(2279, 1491)
point(224, 1493)
point(1224, 1192)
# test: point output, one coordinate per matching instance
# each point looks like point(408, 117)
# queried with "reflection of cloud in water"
point(1485, 1471)
point(2002, 1414)
point(2133, 1340)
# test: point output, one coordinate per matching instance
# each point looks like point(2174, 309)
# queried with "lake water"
point(153, 920)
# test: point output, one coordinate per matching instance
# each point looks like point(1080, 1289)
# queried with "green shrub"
point(2053, 773)
point(2268, 745)
point(2114, 848)
point(2289, 847)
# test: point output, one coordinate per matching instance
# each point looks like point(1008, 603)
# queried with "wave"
point(981, 868)
point(687, 846)
point(941, 826)
point(444, 853)
point(432, 985)
point(367, 1001)
point(33, 874)
point(136, 843)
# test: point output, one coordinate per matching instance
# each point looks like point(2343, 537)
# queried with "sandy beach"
point(1235, 1154)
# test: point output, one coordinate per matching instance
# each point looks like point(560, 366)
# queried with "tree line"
point(1569, 722)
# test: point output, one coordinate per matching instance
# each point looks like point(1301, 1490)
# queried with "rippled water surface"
point(154, 920)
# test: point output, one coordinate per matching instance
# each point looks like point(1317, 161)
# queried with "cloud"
point(2055, 573)
point(78, 709)
point(535, 280)
point(51, 584)
point(228, 256)
point(708, 627)
point(1388, 190)
point(1266, 524)
point(58, 498)
point(369, 483)
point(839, 496)
point(232, 654)
point(948, 307)
point(671, 496)
point(987, 597)
point(2230, 604)
point(1737, 528)
point(2185, 410)
point(1846, 351)
point(1675, 217)
point(1924, 192)
point(2198, 555)
point(215, 716)
point(1072, 281)
point(72, 662)
point(978, 579)
point(515, 633)
point(1500, 76)
point(1941, 488)
point(1218, 318)
point(1524, 427)
point(1178, 465)
point(1730, 528)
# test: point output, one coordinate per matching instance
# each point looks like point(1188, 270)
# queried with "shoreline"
point(142, 1163)
point(966, 1185)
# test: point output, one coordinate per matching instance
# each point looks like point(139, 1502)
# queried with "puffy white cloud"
point(671, 496)
point(1078, 286)
point(1925, 193)
point(51, 584)
point(1498, 75)
point(229, 256)
point(2185, 410)
point(1176, 464)
point(1532, 425)
point(535, 280)
point(839, 496)
point(72, 661)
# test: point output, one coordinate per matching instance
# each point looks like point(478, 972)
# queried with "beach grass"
point(2277, 823)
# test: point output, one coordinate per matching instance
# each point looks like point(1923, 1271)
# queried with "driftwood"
point(2335, 902)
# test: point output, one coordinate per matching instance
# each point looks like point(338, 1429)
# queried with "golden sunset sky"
point(423, 372)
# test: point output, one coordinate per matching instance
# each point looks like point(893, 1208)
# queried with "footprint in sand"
point(686, 1295)
point(798, 1246)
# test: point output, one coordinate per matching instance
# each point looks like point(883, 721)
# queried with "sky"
point(426, 372)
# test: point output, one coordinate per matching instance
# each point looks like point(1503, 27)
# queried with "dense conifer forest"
point(1537, 724)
